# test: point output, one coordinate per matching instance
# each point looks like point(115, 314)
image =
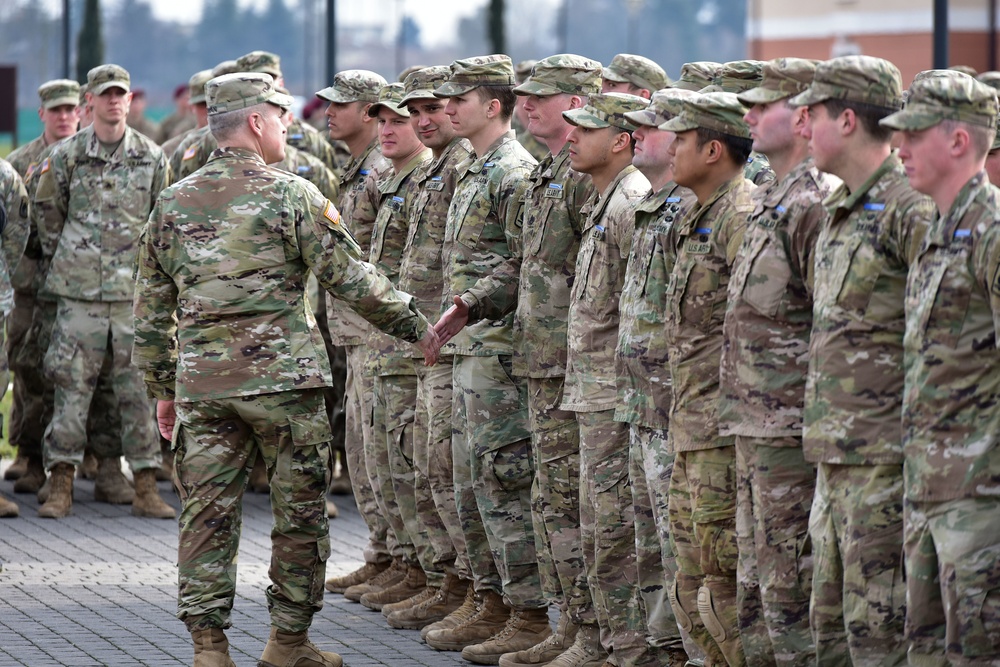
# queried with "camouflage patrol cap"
point(470, 73)
point(637, 70)
point(956, 97)
point(991, 79)
point(196, 86)
point(225, 67)
point(260, 61)
point(781, 78)
point(59, 92)
point(606, 110)
point(84, 88)
point(697, 75)
point(408, 71)
point(353, 85)
point(863, 79)
point(964, 69)
point(563, 73)
point(420, 85)
point(390, 97)
point(736, 76)
point(231, 92)
point(103, 77)
point(721, 112)
point(523, 69)
point(664, 105)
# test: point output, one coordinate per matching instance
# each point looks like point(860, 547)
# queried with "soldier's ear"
point(575, 102)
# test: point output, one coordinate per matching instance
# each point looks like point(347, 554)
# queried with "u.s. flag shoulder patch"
point(190, 152)
point(45, 166)
point(331, 213)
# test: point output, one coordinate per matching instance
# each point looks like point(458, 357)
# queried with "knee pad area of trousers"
point(683, 620)
point(709, 616)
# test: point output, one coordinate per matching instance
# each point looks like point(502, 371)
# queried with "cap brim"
point(281, 100)
point(418, 95)
point(535, 88)
point(198, 99)
point(453, 89)
point(809, 97)
point(761, 96)
point(609, 74)
point(400, 110)
point(331, 94)
point(678, 124)
point(644, 117)
point(580, 118)
point(909, 120)
point(73, 100)
point(101, 87)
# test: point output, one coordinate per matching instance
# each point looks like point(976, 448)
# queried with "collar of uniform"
point(478, 163)
point(841, 202)
point(598, 203)
point(95, 149)
point(390, 185)
point(690, 222)
point(354, 166)
point(457, 144)
point(236, 153)
point(655, 201)
point(942, 230)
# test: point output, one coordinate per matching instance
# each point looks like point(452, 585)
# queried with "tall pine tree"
point(89, 43)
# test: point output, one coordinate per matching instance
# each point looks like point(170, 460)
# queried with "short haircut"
point(505, 94)
point(224, 125)
point(980, 137)
point(738, 148)
point(868, 116)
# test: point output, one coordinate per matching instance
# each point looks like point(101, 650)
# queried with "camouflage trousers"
point(216, 442)
point(31, 402)
point(494, 469)
point(774, 578)
point(858, 600)
point(434, 477)
point(953, 582)
point(703, 529)
point(651, 465)
point(389, 459)
point(607, 529)
point(555, 500)
point(357, 426)
point(86, 336)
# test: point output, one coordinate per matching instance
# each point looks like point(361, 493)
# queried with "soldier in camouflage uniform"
point(193, 151)
point(389, 365)
point(421, 275)
point(709, 151)
point(765, 357)
point(199, 111)
point(13, 237)
point(492, 451)
point(854, 389)
point(246, 354)
point(94, 192)
point(347, 112)
point(601, 146)
point(950, 415)
point(641, 360)
point(537, 149)
point(635, 75)
point(31, 402)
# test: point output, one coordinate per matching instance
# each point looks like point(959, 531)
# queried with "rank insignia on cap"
point(331, 213)
point(190, 152)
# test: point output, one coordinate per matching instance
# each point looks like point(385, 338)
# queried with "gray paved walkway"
point(99, 588)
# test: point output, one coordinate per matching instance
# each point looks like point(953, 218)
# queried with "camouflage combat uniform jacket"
point(592, 333)
point(706, 242)
point(193, 153)
point(90, 207)
point(13, 232)
point(305, 137)
point(641, 358)
point(26, 161)
point(854, 390)
point(951, 420)
point(765, 354)
point(228, 251)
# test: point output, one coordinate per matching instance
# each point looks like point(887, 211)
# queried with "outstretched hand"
point(430, 345)
point(453, 320)
point(165, 418)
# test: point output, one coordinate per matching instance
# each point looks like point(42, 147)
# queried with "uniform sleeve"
point(735, 228)
point(154, 351)
point(15, 231)
point(51, 203)
point(335, 257)
point(912, 226)
point(803, 242)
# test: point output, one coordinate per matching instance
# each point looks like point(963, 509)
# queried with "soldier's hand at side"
point(453, 320)
point(165, 418)
point(430, 345)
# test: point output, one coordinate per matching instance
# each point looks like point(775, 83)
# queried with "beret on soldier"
point(637, 70)
point(353, 85)
point(103, 77)
point(196, 86)
point(59, 92)
point(781, 78)
point(231, 92)
point(420, 85)
point(606, 110)
point(260, 61)
point(563, 73)
point(952, 96)
point(862, 79)
point(390, 97)
point(664, 105)
point(721, 112)
point(470, 73)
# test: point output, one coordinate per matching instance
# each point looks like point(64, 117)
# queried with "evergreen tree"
point(89, 43)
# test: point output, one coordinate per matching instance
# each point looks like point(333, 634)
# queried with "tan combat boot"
point(88, 469)
point(524, 629)
point(60, 499)
point(111, 485)
point(412, 583)
point(434, 607)
point(32, 479)
point(43, 493)
point(293, 649)
point(423, 596)
point(383, 579)
point(586, 650)
point(359, 576)
point(16, 469)
point(148, 502)
point(211, 648)
point(331, 510)
point(464, 611)
point(490, 618)
point(548, 649)
point(8, 508)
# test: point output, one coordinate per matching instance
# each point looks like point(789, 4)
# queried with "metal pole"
point(331, 40)
point(991, 60)
point(66, 42)
point(941, 56)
